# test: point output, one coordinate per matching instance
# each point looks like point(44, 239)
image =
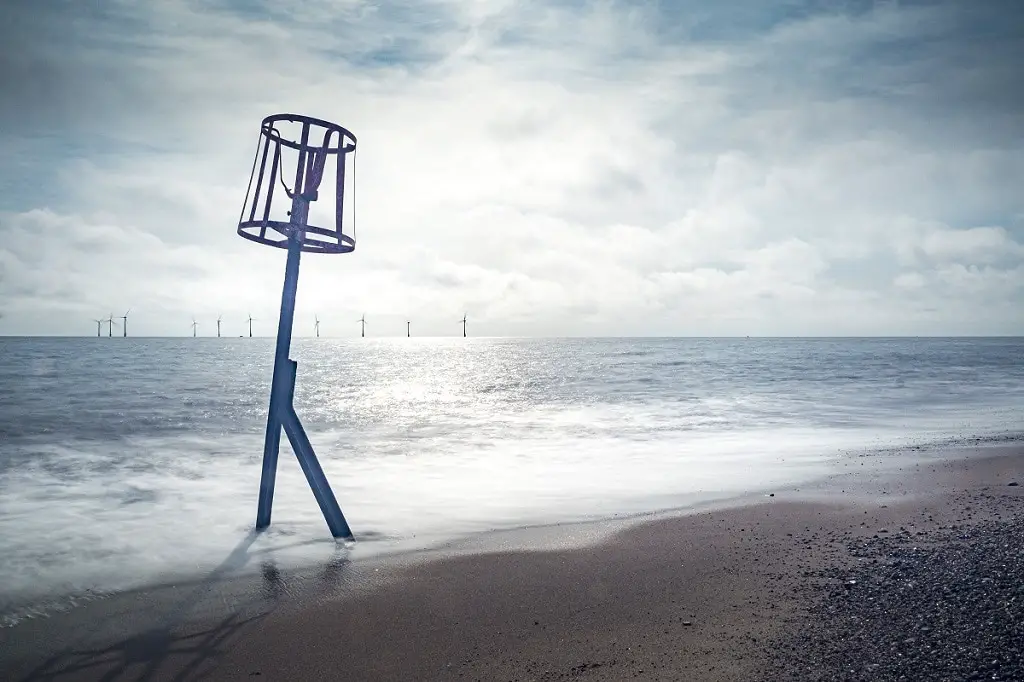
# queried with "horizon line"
point(458, 336)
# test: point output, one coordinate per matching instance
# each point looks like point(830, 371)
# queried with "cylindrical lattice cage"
point(312, 154)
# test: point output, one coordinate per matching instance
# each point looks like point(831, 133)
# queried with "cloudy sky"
point(795, 167)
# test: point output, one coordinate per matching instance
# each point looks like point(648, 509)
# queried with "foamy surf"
point(154, 478)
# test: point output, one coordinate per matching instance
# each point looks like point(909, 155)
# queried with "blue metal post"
point(279, 388)
point(282, 391)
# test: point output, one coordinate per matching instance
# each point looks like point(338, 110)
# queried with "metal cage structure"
point(302, 148)
point(313, 153)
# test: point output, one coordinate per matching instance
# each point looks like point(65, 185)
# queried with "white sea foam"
point(154, 477)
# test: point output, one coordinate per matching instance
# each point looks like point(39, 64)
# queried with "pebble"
point(953, 610)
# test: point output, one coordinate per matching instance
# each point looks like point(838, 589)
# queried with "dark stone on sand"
point(1012, 484)
point(960, 597)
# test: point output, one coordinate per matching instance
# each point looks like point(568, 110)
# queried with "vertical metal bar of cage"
point(270, 187)
point(248, 187)
point(310, 164)
point(339, 205)
point(300, 207)
point(259, 178)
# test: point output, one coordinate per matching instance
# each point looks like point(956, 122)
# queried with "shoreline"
point(574, 533)
point(164, 527)
point(593, 600)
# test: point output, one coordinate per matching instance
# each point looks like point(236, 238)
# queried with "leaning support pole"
point(311, 466)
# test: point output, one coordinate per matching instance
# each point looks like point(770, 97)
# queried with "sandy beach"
point(741, 593)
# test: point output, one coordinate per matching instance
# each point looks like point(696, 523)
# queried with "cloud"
point(549, 168)
point(975, 245)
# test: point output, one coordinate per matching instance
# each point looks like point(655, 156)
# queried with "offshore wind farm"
point(195, 324)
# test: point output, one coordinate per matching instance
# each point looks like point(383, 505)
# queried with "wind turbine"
point(362, 320)
point(317, 325)
point(194, 325)
point(99, 325)
point(218, 326)
point(124, 326)
point(463, 321)
point(250, 326)
point(110, 326)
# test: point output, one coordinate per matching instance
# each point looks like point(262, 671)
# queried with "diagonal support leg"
point(315, 475)
point(311, 466)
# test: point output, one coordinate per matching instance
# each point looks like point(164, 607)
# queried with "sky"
point(565, 168)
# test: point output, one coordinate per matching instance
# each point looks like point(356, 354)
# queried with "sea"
point(130, 462)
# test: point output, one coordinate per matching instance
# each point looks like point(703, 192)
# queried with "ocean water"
point(127, 462)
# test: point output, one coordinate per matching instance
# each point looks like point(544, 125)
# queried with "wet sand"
point(725, 594)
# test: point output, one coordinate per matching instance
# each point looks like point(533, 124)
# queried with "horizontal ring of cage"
point(269, 121)
point(281, 230)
